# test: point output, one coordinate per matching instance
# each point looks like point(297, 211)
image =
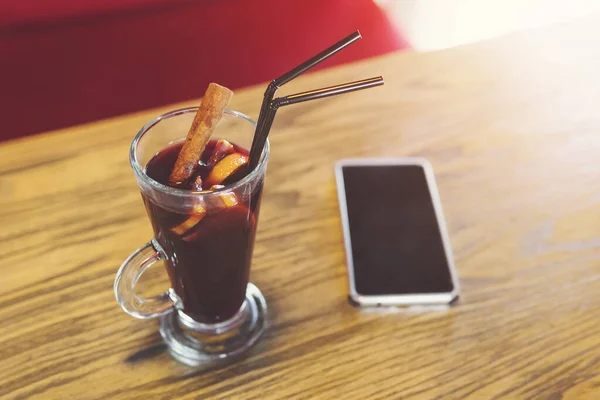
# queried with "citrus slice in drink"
point(225, 168)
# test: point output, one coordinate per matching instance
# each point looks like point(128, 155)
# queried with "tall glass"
point(206, 240)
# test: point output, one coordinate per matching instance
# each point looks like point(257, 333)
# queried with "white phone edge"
point(406, 299)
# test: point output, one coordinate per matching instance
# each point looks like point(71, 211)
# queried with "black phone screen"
point(397, 245)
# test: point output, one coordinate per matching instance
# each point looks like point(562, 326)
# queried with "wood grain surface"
point(512, 129)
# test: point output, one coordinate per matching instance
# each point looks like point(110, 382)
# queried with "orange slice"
point(228, 199)
point(222, 149)
point(191, 221)
point(225, 168)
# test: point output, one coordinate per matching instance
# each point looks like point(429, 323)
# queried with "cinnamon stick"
point(209, 114)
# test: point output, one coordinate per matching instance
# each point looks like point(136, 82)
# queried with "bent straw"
point(261, 137)
point(295, 72)
point(328, 91)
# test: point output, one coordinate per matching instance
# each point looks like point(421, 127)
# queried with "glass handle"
point(130, 272)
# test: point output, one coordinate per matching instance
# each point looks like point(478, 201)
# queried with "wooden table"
point(512, 128)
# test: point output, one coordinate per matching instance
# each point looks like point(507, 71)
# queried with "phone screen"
point(397, 245)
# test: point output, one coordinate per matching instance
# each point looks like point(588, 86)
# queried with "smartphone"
point(397, 246)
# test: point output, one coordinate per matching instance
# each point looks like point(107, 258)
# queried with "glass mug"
point(205, 240)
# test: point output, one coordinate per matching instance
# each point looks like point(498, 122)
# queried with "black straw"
point(260, 137)
point(328, 91)
point(295, 72)
point(319, 58)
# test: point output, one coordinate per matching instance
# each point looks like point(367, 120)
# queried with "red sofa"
point(71, 61)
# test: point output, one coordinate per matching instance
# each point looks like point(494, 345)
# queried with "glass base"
point(195, 344)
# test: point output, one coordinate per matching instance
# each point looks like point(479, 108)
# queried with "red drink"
point(209, 249)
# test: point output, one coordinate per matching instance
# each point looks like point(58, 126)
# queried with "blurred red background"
point(68, 62)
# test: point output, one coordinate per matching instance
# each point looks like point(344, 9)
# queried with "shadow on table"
point(147, 353)
point(158, 348)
